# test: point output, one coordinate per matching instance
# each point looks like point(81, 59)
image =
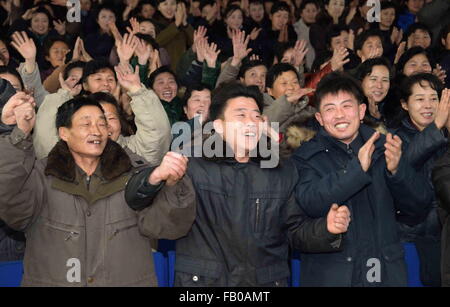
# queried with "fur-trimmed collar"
point(113, 162)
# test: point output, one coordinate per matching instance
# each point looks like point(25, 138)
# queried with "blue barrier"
point(11, 273)
point(164, 262)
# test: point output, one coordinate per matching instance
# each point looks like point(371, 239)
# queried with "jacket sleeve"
point(228, 73)
point(424, 145)
point(21, 190)
point(309, 235)
point(45, 135)
point(152, 138)
point(441, 180)
point(316, 193)
point(33, 81)
point(277, 110)
point(166, 212)
point(411, 191)
point(51, 83)
point(210, 74)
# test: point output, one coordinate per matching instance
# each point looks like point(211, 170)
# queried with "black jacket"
point(441, 181)
point(328, 174)
point(246, 219)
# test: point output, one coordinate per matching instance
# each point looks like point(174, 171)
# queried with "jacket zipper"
point(70, 233)
point(116, 231)
point(257, 215)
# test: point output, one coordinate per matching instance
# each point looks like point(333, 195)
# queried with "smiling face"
point(234, 20)
point(168, 8)
point(422, 105)
point(102, 81)
point(256, 76)
point(40, 23)
point(198, 104)
point(420, 38)
point(376, 84)
point(285, 84)
point(340, 115)
point(240, 126)
point(417, 64)
point(165, 86)
point(88, 134)
point(279, 20)
point(372, 44)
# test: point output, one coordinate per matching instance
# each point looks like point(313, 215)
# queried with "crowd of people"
point(352, 101)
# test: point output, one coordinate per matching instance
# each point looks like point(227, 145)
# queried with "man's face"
point(372, 44)
point(198, 104)
point(309, 13)
point(102, 81)
point(165, 86)
point(240, 126)
point(256, 12)
point(256, 76)
point(340, 116)
point(279, 20)
point(422, 105)
point(285, 84)
point(88, 135)
point(112, 118)
point(417, 64)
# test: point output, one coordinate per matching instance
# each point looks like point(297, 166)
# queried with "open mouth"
point(427, 115)
point(341, 126)
point(95, 142)
point(167, 95)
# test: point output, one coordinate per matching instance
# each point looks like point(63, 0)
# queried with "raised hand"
point(240, 43)
point(85, 57)
point(440, 73)
point(25, 115)
point(126, 48)
point(283, 36)
point(211, 53)
point(296, 95)
point(8, 116)
point(396, 36)
point(172, 169)
point(442, 110)
point(200, 33)
point(338, 219)
point(127, 79)
point(300, 51)
point(60, 27)
point(255, 33)
point(373, 53)
point(366, 151)
point(400, 51)
point(134, 26)
point(24, 45)
point(339, 59)
point(143, 51)
point(29, 13)
point(200, 48)
point(351, 39)
point(393, 152)
point(155, 61)
point(70, 85)
point(180, 15)
point(254, 57)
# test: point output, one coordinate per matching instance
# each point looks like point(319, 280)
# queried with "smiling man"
point(71, 205)
point(349, 163)
point(247, 215)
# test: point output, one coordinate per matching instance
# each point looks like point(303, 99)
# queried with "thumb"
point(136, 70)
point(334, 207)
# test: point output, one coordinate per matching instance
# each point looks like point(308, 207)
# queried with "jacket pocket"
point(191, 272)
point(273, 276)
point(264, 212)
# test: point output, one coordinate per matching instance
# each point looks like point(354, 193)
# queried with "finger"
point(373, 138)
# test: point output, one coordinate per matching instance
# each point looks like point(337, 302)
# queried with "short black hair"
point(69, 108)
point(365, 68)
point(12, 71)
point(41, 9)
point(276, 70)
point(104, 7)
point(157, 72)
point(280, 6)
point(306, 2)
point(72, 65)
point(195, 87)
point(230, 9)
point(102, 97)
point(335, 31)
point(148, 39)
point(205, 3)
point(388, 5)
point(409, 82)
point(281, 48)
point(50, 41)
point(94, 66)
point(418, 26)
point(364, 35)
point(336, 82)
point(409, 54)
point(246, 65)
point(229, 90)
point(256, 2)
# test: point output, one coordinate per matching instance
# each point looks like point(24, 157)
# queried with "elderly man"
point(71, 206)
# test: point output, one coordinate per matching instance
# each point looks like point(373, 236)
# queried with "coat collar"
point(114, 162)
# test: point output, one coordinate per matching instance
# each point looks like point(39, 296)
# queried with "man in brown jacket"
point(71, 206)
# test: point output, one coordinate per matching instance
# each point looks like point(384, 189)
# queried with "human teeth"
point(250, 134)
point(427, 114)
point(341, 126)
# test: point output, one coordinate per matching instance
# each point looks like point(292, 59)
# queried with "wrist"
point(154, 178)
point(142, 60)
point(134, 88)
point(235, 62)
